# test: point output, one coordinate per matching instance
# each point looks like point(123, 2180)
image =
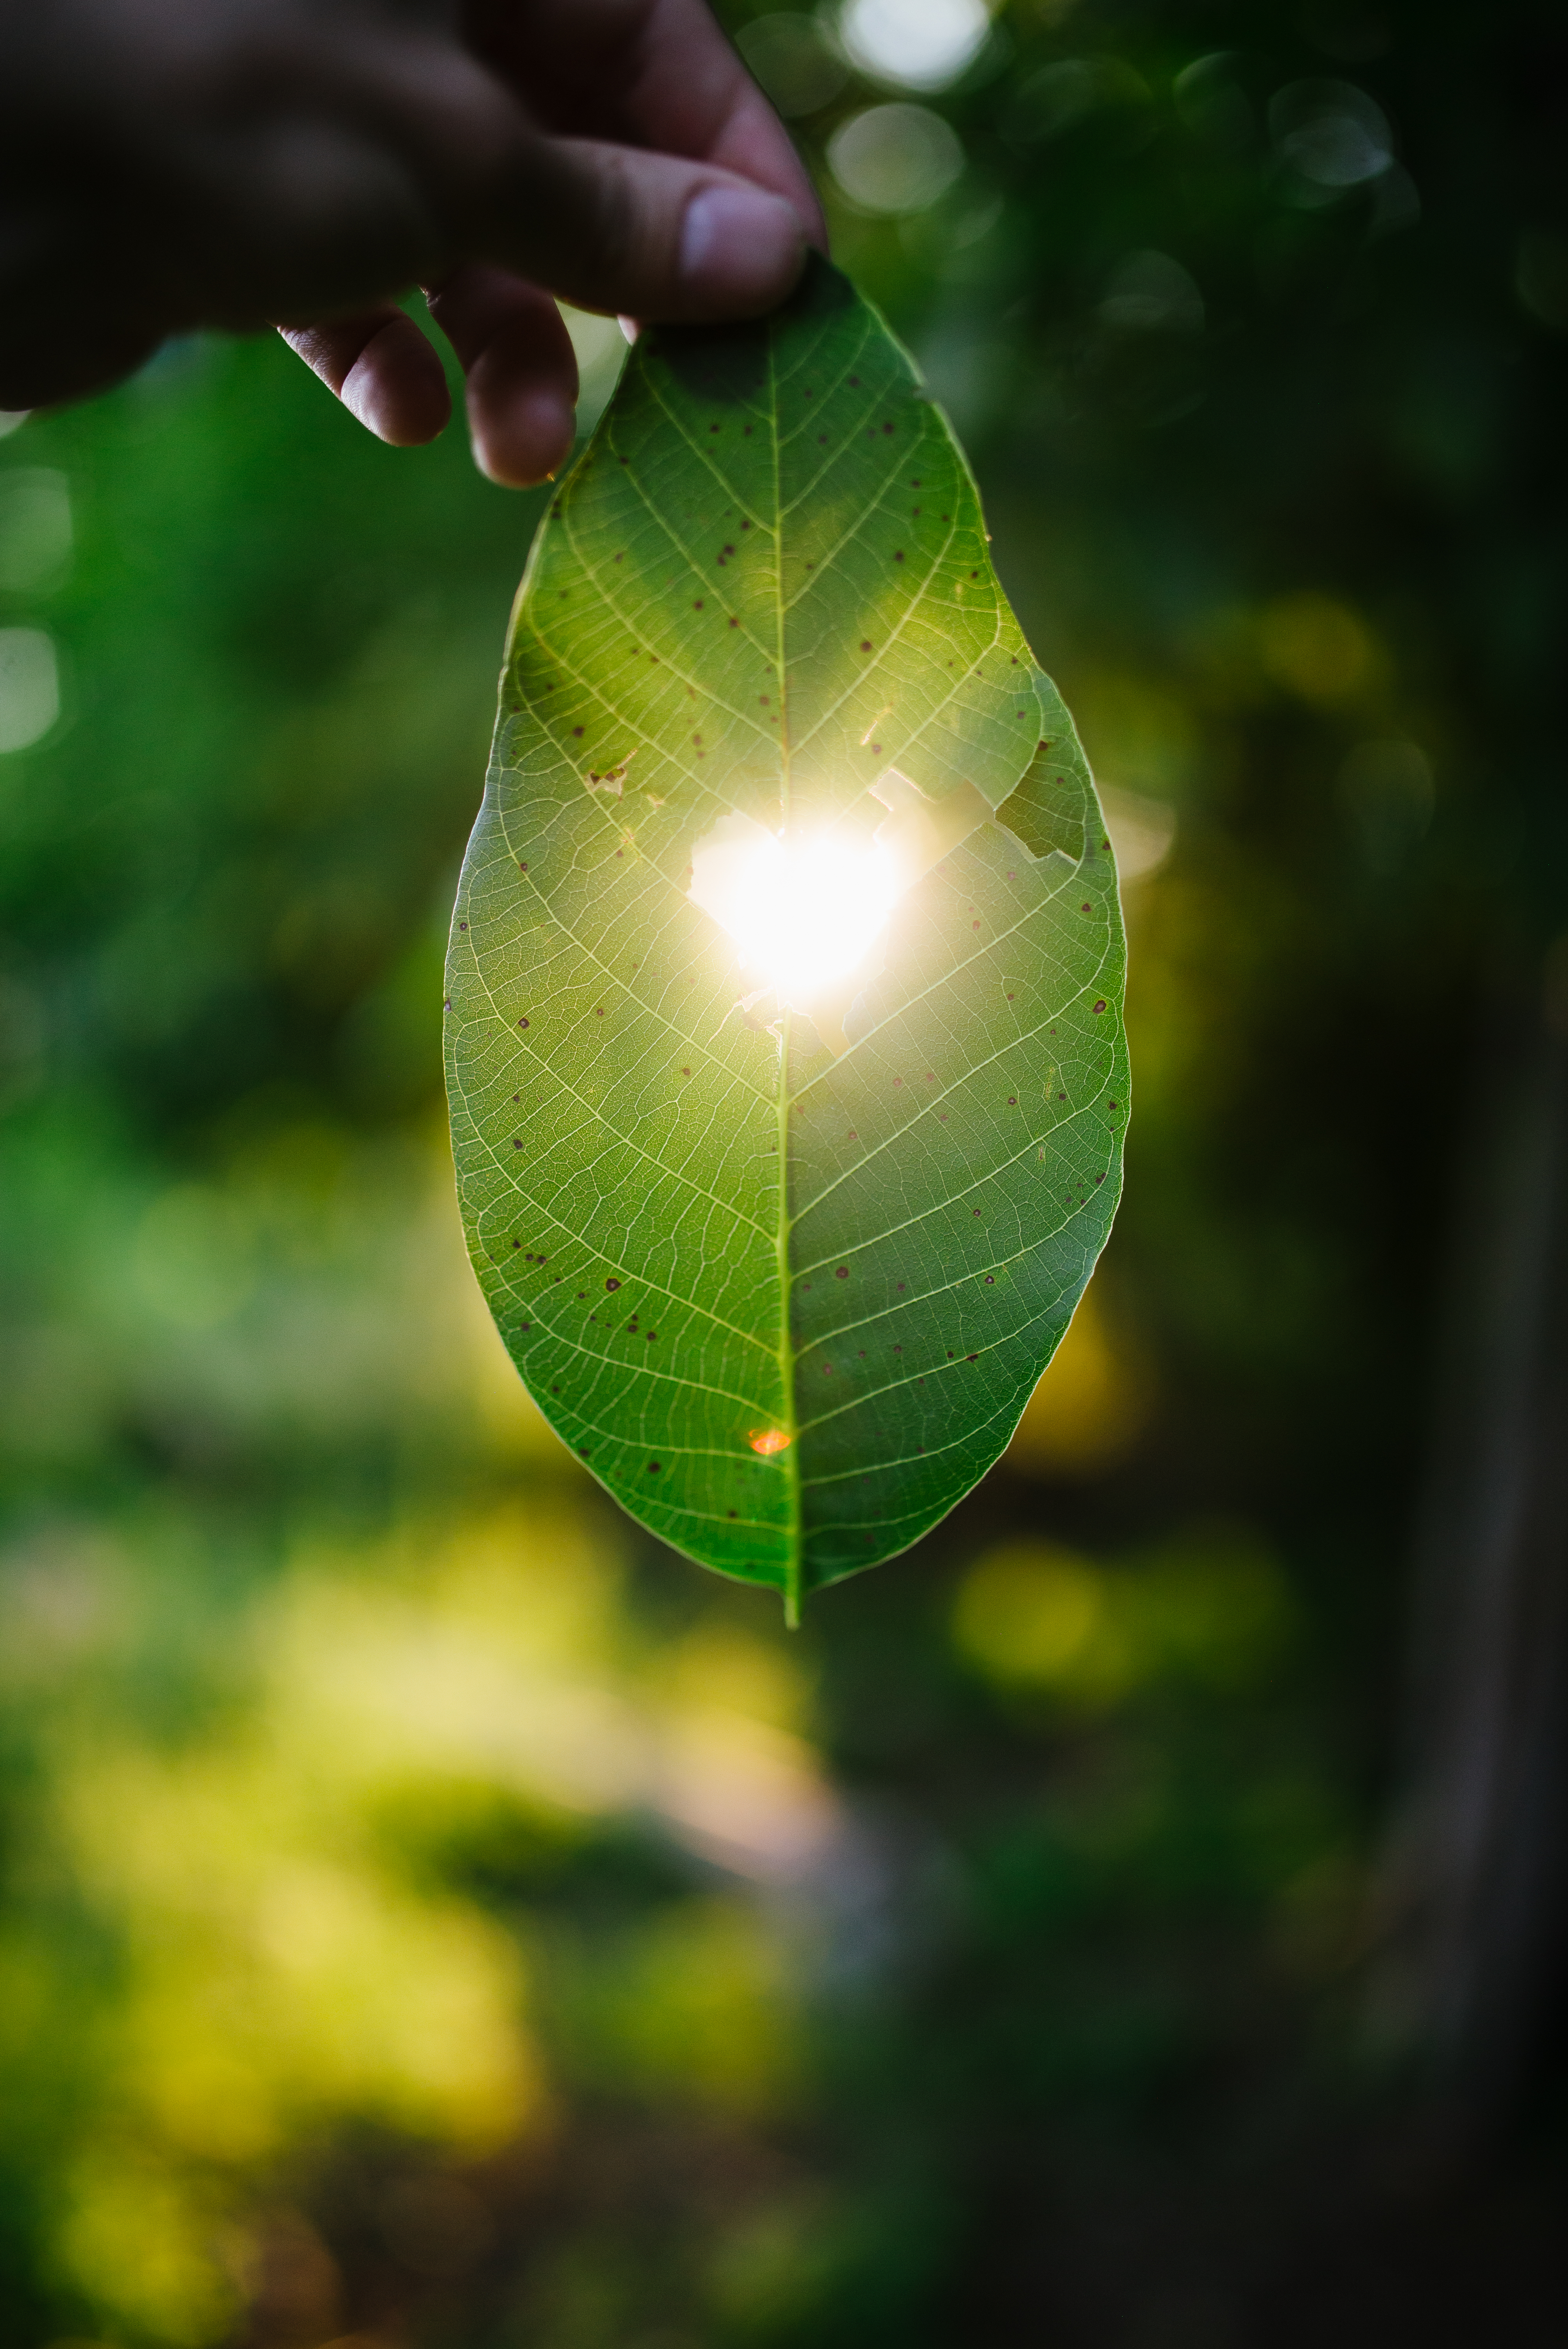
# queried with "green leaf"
point(784, 1273)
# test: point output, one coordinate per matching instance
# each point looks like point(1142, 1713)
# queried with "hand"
point(164, 167)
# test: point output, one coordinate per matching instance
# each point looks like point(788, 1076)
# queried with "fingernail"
point(739, 249)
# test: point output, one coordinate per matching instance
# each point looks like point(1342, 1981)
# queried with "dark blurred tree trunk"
point(1476, 1879)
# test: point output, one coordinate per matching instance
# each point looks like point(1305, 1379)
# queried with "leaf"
point(783, 1277)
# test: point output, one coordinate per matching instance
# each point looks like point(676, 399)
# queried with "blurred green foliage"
point(429, 1912)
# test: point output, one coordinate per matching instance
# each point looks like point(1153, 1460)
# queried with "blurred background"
point(431, 1913)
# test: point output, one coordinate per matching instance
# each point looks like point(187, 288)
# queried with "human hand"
point(163, 168)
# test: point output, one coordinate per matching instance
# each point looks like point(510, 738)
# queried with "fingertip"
point(397, 387)
point(521, 372)
point(523, 438)
point(741, 251)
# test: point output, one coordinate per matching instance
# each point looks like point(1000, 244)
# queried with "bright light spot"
point(1142, 833)
point(768, 1440)
point(1331, 133)
point(29, 686)
point(895, 159)
point(747, 1795)
point(805, 913)
point(923, 44)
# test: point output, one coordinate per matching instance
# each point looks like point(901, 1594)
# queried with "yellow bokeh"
point(692, 2007)
point(1092, 1403)
point(1028, 1611)
point(1209, 1610)
point(514, 1426)
point(148, 2241)
point(1319, 649)
point(715, 1666)
point(278, 1979)
point(294, 1965)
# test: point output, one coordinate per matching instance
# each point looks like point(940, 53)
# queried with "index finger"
point(656, 74)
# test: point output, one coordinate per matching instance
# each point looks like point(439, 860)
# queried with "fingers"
point(651, 74)
point(694, 96)
point(615, 229)
point(521, 372)
point(514, 351)
point(384, 371)
point(754, 142)
point(687, 202)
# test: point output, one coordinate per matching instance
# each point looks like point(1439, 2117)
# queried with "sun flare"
point(805, 913)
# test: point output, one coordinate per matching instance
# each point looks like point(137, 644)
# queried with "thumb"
point(620, 229)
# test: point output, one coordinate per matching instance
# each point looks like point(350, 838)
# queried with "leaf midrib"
point(794, 1556)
